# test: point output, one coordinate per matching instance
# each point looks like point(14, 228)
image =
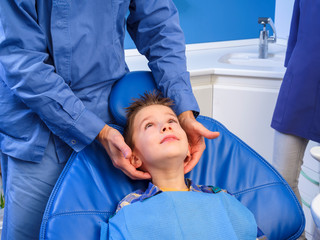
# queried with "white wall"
point(283, 17)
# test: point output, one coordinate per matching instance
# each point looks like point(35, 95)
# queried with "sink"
point(252, 59)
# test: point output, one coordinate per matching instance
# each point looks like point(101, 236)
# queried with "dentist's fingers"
point(119, 152)
point(195, 157)
point(132, 172)
point(196, 133)
point(204, 132)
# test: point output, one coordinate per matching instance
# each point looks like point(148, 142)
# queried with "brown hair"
point(145, 100)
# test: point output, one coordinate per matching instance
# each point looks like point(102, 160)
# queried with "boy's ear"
point(135, 161)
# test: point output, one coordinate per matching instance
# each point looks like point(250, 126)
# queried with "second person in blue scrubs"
point(296, 116)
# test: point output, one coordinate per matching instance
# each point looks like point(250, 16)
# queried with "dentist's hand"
point(119, 152)
point(196, 133)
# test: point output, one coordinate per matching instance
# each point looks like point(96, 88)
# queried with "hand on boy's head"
point(119, 152)
point(196, 133)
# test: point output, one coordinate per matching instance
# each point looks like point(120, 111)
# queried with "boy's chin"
point(169, 158)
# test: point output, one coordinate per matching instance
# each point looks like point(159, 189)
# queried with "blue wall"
point(220, 20)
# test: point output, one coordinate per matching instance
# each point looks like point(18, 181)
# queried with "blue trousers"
point(27, 187)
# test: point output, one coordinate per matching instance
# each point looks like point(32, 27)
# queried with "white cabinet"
point(202, 90)
point(245, 106)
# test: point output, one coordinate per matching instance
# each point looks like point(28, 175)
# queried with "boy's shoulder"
point(139, 195)
point(203, 188)
point(130, 198)
point(207, 189)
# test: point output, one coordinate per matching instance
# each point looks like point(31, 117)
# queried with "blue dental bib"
point(183, 215)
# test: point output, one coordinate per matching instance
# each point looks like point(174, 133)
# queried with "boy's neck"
point(170, 180)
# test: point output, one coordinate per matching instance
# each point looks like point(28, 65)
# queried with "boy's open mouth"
point(169, 138)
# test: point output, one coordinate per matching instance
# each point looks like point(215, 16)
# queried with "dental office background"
point(215, 21)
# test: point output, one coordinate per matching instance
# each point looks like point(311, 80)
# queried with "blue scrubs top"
point(59, 60)
point(297, 110)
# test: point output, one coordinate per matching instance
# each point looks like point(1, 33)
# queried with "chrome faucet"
point(264, 36)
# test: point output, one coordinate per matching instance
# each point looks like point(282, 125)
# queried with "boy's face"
point(158, 137)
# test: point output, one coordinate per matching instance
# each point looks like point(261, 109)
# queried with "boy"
point(171, 207)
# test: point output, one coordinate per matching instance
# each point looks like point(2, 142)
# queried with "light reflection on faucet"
point(264, 38)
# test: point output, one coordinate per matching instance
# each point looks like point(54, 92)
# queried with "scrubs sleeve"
point(292, 40)
point(25, 68)
point(154, 27)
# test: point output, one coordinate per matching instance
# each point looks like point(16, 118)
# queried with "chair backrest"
point(89, 187)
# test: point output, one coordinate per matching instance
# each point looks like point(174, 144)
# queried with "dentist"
point(58, 62)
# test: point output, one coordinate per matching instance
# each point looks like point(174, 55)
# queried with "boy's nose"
point(166, 128)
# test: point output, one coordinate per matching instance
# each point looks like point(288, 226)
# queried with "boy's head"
point(154, 134)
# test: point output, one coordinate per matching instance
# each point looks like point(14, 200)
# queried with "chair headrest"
point(132, 85)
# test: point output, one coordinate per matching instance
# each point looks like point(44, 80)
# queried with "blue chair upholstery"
point(89, 187)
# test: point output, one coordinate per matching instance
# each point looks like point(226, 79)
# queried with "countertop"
point(234, 58)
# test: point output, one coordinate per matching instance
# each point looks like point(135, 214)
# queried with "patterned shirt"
point(153, 190)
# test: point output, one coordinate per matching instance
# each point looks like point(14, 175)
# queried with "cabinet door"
point(245, 106)
point(202, 90)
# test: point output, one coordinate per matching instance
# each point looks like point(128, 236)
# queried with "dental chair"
point(89, 187)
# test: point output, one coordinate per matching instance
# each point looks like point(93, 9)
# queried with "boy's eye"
point(148, 125)
point(172, 120)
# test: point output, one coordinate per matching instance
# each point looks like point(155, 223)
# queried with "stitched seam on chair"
point(257, 187)
point(93, 212)
point(299, 232)
point(53, 194)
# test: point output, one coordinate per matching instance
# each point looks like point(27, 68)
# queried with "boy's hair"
point(147, 99)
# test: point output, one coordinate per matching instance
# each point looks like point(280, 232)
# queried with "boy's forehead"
point(150, 111)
